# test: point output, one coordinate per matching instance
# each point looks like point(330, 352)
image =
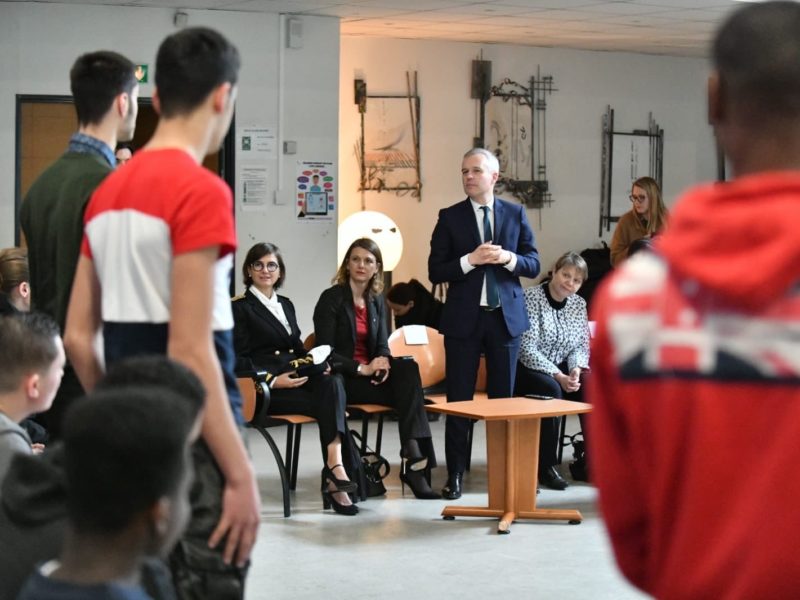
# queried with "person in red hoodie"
point(696, 386)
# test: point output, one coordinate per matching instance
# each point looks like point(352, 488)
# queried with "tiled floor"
point(399, 547)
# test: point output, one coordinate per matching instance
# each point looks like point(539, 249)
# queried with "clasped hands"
point(489, 254)
point(571, 382)
point(379, 363)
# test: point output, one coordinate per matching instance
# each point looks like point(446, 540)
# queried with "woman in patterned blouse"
point(554, 351)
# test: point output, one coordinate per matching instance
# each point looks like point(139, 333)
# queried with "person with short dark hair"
point(33, 505)
point(105, 94)
point(350, 317)
point(128, 473)
point(696, 379)
point(266, 337)
point(123, 153)
point(15, 298)
point(156, 370)
point(166, 292)
point(32, 359)
point(413, 304)
point(480, 247)
point(640, 245)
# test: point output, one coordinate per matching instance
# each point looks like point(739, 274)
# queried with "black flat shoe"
point(452, 490)
point(551, 478)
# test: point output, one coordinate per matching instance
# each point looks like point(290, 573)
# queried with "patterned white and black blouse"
point(558, 332)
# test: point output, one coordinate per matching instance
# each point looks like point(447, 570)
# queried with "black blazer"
point(260, 340)
point(335, 324)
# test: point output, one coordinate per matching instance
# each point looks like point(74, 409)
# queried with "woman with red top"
point(351, 317)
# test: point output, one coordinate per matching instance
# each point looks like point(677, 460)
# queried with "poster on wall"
point(255, 142)
point(255, 155)
point(253, 186)
point(315, 191)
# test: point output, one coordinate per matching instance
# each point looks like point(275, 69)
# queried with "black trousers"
point(536, 382)
point(403, 392)
point(322, 397)
point(492, 339)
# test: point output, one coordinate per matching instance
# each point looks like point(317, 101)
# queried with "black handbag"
point(375, 469)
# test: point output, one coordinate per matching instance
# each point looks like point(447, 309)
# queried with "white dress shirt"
point(465, 266)
point(273, 306)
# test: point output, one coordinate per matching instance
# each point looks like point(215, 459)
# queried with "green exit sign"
point(141, 73)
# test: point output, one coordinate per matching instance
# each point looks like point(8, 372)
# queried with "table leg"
point(511, 478)
point(513, 466)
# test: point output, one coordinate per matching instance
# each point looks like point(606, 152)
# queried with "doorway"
point(45, 124)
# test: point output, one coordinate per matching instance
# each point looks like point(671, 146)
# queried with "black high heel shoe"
point(340, 485)
point(415, 473)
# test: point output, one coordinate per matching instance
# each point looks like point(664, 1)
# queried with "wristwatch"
point(358, 369)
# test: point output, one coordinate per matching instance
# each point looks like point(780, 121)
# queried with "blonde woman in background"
point(646, 219)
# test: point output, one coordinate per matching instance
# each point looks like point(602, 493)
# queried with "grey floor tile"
point(399, 547)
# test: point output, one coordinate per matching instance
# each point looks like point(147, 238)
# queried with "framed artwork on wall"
point(388, 151)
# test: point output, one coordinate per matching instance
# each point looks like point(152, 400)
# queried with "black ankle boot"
point(415, 473)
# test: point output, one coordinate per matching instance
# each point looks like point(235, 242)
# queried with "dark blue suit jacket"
point(456, 234)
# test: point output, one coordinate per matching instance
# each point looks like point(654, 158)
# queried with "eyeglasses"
point(367, 262)
point(260, 266)
point(640, 198)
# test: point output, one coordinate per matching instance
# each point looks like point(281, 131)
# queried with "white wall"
point(672, 88)
point(39, 42)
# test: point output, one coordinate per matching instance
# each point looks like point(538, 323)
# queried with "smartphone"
point(379, 375)
point(538, 397)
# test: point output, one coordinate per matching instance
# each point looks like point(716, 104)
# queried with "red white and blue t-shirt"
point(159, 205)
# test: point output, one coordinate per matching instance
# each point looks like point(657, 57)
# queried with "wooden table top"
point(501, 409)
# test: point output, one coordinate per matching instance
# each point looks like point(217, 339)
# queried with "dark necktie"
point(492, 294)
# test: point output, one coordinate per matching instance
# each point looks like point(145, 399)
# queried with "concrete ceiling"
point(670, 27)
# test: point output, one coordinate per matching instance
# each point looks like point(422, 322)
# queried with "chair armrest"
point(261, 380)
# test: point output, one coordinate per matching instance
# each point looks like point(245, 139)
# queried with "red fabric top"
point(696, 386)
point(360, 353)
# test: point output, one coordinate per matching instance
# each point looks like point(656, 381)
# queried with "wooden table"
point(512, 444)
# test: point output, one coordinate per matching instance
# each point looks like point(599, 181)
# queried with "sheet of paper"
point(415, 335)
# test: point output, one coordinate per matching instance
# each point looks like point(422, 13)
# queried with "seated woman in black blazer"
point(351, 317)
point(266, 337)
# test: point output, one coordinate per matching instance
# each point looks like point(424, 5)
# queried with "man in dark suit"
point(480, 247)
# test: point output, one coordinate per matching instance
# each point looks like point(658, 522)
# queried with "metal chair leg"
point(379, 435)
point(364, 431)
point(287, 510)
point(295, 456)
point(562, 434)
